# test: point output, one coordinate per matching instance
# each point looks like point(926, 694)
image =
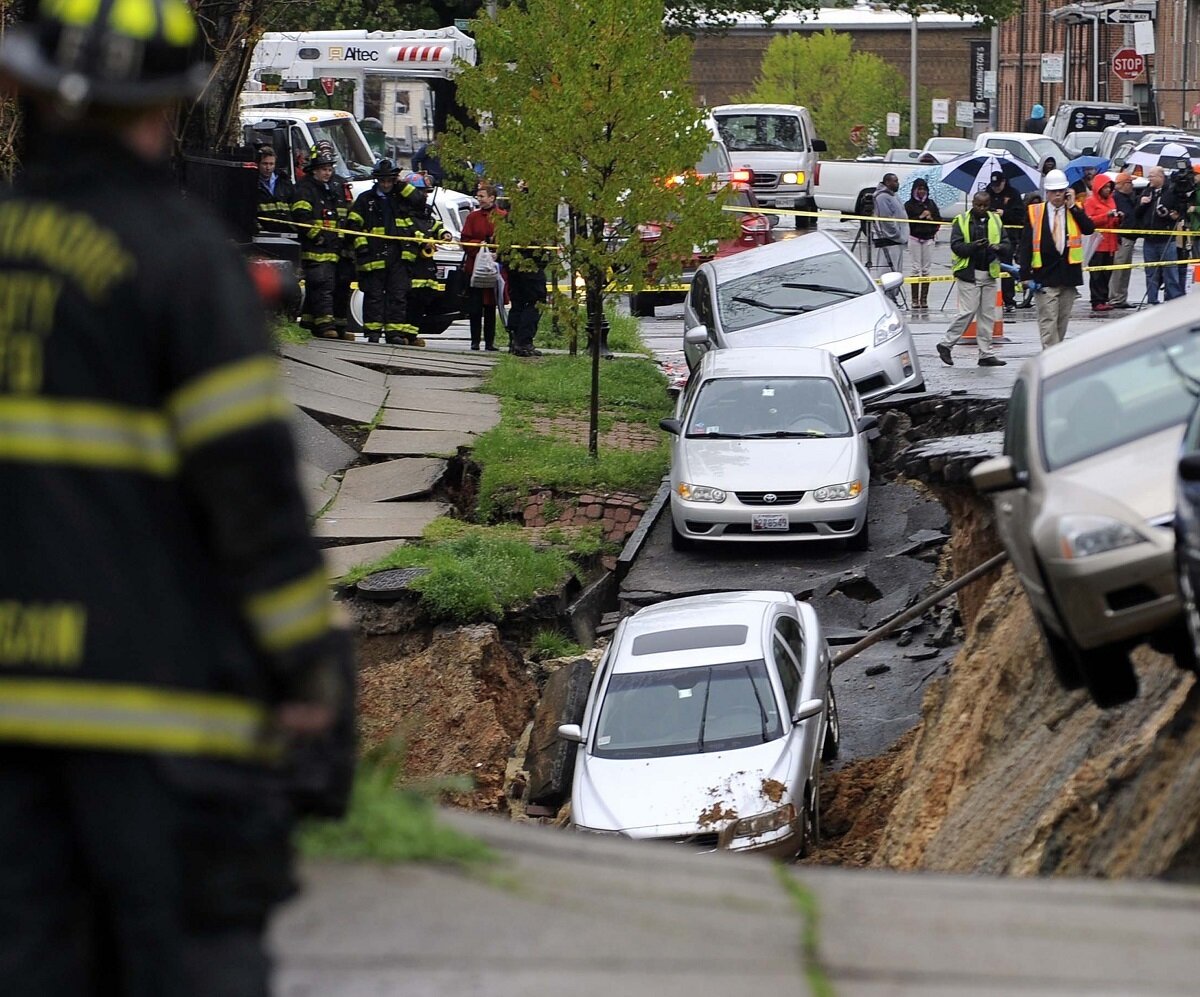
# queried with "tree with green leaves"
point(587, 102)
point(840, 87)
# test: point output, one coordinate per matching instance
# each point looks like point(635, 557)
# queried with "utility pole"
point(912, 83)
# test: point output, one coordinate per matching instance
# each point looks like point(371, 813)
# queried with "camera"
point(1183, 181)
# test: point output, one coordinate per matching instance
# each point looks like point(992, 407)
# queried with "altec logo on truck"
point(352, 54)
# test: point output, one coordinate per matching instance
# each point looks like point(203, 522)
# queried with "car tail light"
point(817, 173)
point(649, 233)
point(755, 225)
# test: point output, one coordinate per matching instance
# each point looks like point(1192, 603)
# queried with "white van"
point(779, 143)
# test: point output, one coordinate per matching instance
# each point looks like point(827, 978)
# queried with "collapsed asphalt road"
point(879, 691)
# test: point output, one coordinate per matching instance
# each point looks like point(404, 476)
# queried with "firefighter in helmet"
point(165, 627)
point(383, 274)
point(315, 209)
point(428, 292)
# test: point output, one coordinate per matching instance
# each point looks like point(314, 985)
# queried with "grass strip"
point(805, 900)
point(386, 824)
point(624, 332)
point(286, 331)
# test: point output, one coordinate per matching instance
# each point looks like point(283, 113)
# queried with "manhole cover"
point(389, 584)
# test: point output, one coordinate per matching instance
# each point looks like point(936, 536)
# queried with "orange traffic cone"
point(997, 326)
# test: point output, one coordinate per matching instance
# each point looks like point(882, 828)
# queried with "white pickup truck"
point(848, 185)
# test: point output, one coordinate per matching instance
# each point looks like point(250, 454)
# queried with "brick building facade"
point(726, 65)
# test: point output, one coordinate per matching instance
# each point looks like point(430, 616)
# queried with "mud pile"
point(1008, 774)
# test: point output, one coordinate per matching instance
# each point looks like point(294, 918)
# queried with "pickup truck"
point(848, 185)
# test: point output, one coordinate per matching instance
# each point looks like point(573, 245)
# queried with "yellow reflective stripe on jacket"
point(222, 401)
point(1037, 212)
point(995, 234)
point(292, 613)
point(131, 718)
point(86, 434)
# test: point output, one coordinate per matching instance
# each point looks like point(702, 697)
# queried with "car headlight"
point(1080, 536)
point(595, 830)
point(793, 178)
point(751, 827)
point(699, 493)
point(838, 493)
point(888, 327)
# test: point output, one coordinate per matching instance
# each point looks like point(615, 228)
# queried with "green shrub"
point(552, 644)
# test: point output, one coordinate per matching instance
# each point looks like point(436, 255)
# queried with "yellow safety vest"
point(995, 234)
point(1074, 237)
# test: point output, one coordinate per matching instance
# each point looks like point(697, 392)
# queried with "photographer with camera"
point(1126, 202)
point(1189, 194)
point(1160, 210)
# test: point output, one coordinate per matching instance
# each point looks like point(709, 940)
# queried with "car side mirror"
point(818, 145)
point(867, 422)
point(1090, 151)
point(891, 281)
point(1189, 467)
point(696, 336)
point(808, 709)
point(570, 732)
point(672, 426)
point(999, 474)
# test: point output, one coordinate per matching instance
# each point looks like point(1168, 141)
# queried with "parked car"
point(769, 444)
point(706, 724)
point(1026, 146)
point(754, 229)
point(809, 291)
point(779, 143)
point(1084, 493)
point(1187, 528)
point(1115, 136)
point(944, 148)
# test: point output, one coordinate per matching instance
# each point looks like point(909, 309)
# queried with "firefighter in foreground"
point(427, 293)
point(315, 210)
point(382, 273)
point(165, 624)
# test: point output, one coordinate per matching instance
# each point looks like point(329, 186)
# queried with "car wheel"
point(1186, 656)
point(641, 306)
point(1109, 676)
point(862, 539)
point(678, 540)
point(1064, 658)
point(810, 820)
point(833, 730)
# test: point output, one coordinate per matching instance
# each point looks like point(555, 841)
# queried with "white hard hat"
point(1056, 180)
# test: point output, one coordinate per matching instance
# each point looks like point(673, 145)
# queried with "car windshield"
point(1120, 397)
point(352, 157)
point(687, 711)
point(792, 288)
point(949, 145)
point(768, 407)
point(761, 132)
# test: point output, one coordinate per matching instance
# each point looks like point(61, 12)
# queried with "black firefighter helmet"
point(318, 157)
point(384, 168)
point(108, 53)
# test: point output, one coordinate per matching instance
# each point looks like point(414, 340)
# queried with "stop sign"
point(1127, 64)
point(328, 83)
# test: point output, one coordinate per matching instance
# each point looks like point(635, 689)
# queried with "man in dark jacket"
point(1036, 122)
point(978, 243)
point(1159, 209)
point(427, 292)
point(346, 268)
point(275, 194)
point(1051, 255)
point(1007, 204)
point(382, 271)
point(165, 623)
point(1118, 284)
point(315, 210)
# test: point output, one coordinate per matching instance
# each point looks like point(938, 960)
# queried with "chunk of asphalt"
point(877, 669)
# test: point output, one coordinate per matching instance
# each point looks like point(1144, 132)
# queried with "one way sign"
point(1127, 15)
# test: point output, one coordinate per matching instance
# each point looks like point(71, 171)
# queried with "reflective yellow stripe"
point(80, 13)
point(87, 434)
point(291, 614)
point(226, 400)
point(179, 26)
point(132, 718)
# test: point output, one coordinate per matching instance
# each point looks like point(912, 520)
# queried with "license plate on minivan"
point(766, 524)
point(785, 202)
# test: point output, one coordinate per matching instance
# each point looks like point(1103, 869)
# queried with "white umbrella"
point(973, 171)
point(1170, 157)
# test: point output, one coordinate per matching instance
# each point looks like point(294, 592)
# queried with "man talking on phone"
point(1051, 255)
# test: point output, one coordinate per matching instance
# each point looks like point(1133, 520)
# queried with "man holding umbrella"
point(1051, 255)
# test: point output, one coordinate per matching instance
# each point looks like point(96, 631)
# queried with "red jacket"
point(480, 226)
point(1098, 210)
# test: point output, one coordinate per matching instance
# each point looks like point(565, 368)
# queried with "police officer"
point(315, 208)
point(382, 275)
point(165, 625)
point(275, 194)
point(427, 292)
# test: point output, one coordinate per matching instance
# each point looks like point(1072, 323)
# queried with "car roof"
point(766, 361)
point(747, 108)
point(721, 609)
point(765, 257)
point(1145, 325)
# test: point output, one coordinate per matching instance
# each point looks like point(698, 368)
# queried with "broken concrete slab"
point(463, 422)
point(337, 406)
point(314, 357)
point(318, 486)
point(296, 374)
point(378, 520)
point(392, 479)
point(339, 560)
point(317, 445)
point(449, 401)
point(417, 442)
point(409, 382)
